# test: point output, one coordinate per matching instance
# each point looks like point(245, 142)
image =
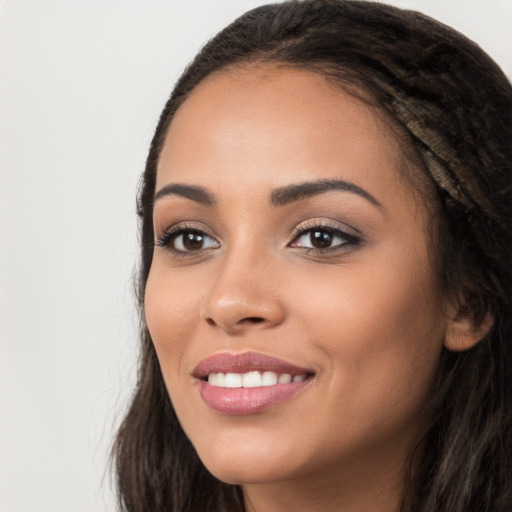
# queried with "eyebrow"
point(292, 193)
point(193, 192)
point(279, 197)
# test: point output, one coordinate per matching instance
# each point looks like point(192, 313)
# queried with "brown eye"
point(320, 239)
point(191, 240)
point(324, 238)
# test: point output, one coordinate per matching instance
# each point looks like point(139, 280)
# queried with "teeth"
point(284, 378)
point(269, 379)
point(251, 379)
point(233, 380)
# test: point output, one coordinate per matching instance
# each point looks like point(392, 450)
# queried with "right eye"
point(186, 240)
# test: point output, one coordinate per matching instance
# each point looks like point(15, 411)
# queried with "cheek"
point(382, 329)
point(377, 305)
point(390, 299)
point(171, 308)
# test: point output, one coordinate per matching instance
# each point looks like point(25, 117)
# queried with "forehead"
point(274, 125)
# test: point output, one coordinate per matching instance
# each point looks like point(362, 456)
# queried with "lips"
point(248, 383)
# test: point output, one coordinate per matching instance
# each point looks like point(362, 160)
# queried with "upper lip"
point(228, 362)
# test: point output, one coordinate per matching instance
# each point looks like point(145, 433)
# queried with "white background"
point(82, 83)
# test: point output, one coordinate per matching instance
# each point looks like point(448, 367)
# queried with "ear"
point(462, 333)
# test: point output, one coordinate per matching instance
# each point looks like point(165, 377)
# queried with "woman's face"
point(290, 249)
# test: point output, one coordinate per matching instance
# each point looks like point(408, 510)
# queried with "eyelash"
point(349, 239)
point(169, 237)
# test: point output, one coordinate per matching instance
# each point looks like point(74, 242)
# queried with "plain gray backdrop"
point(82, 83)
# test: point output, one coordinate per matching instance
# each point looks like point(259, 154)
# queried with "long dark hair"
point(455, 106)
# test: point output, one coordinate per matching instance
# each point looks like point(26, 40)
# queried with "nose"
point(243, 296)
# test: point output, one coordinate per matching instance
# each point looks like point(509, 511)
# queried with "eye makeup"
point(185, 240)
point(323, 237)
point(314, 236)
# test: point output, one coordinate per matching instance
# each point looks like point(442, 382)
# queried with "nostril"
point(236, 324)
point(252, 320)
point(249, 320)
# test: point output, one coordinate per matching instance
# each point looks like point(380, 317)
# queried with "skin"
point(367, 317)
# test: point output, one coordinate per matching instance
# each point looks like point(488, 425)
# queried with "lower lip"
point(244, 401)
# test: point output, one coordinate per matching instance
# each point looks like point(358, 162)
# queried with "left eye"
point(188, 241)
point(322, 238)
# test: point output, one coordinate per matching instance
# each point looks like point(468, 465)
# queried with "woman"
point(325, 284)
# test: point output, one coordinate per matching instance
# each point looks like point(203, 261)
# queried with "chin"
point(238, 473)
point(251, 463)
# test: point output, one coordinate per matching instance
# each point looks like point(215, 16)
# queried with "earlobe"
point(462, 332)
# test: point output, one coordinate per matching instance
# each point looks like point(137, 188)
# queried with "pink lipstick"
point(247, 383)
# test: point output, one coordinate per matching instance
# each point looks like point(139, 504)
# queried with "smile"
point(248, 383)
point(252, 379)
